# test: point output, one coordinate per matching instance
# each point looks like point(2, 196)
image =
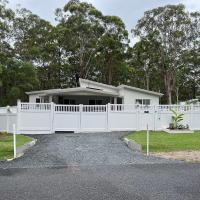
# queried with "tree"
point(36, 43)
point(168, 27)
point(79, 30)
point(93, 44)
point(17, 78)
point(191, 55)
point(144, 59)
point(113, 45)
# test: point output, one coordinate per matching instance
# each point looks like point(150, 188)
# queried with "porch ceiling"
point(79, 92)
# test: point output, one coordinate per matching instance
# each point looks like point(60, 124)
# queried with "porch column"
point(50, 99)
point(115, 100)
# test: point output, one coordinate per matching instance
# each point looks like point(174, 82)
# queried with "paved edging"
point(21, 150)
point(133, 145)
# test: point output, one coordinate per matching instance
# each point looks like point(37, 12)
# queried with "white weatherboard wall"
point(130, 96)
point(47, 118)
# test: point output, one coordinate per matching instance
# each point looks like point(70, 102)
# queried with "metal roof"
point(74, 91)
point(90, 90)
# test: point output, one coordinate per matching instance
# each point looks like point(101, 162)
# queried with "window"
point(146, 101)
point(143, 101)
point(37, 100)
point(138, 101)
point(69, 102)
point(62, 100)
point(95, 102)
point(119, 100)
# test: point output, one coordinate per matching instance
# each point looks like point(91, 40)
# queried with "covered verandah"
point(76, 96)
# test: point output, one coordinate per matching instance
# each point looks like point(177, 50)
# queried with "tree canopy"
point(36, 54)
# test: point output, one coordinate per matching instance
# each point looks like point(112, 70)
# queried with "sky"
point(129, 10)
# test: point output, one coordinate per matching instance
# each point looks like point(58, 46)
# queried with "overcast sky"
point(129, 10)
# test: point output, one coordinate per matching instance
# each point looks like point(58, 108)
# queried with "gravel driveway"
point(85, 149)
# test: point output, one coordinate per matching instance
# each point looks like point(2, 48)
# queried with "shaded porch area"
point(78, 96)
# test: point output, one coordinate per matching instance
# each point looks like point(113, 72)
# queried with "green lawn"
point(6, 144)
point(163, 142)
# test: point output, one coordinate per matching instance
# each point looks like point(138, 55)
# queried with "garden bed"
point(174, 131)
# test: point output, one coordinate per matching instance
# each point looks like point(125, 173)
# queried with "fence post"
point(191, 113)
point(138, 117)
point(80, 117)
point(147, 140)
point(52, 117)
point(7, 119)
point(18, 115)
point(108, 117)
point(155, 118)
point(14, 141)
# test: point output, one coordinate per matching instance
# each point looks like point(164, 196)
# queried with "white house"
point(94, 93)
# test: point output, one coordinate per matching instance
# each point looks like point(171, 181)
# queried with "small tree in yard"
point(176, 118)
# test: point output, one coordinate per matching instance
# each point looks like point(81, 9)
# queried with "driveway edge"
point(133, 145)
point(21, 150)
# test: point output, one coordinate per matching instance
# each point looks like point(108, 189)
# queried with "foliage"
point(176, 118)
point(168, 29)
point(36, 54)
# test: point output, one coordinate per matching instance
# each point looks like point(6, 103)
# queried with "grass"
point(6, 144)
point(164, 142)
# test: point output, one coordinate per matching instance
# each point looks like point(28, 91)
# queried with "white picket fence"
point(45, 118)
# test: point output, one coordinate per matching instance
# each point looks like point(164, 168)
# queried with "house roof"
point(98, 89)
point(81, 80)
point(73, 91)
point(141, 90)
point(120, 87)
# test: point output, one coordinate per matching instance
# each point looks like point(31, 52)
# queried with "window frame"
point(95, 100)
point(143, 102)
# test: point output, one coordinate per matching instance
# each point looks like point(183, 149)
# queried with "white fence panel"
point(3, 110)
point(146, 116)
point(12, 119)
point(66, 118)
point(35, 118)
point(195, 121)
point(94, 118)
point(45, 118)
point(123, 117)
point(122, 121)
point(3, 122)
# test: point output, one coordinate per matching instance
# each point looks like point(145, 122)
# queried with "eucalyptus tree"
point(191, 55)
point(113, 45)
point(36, 43)
point(93, 44)
point(6, 50)
point(17, 78)
point(145, 61)
point(168, 27)
point(80, 26)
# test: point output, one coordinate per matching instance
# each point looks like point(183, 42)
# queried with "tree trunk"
point(147, 80)
point(169, 84)
point(108, 70)
point(194, 90)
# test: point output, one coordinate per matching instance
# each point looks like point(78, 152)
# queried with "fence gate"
point(80, 118)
